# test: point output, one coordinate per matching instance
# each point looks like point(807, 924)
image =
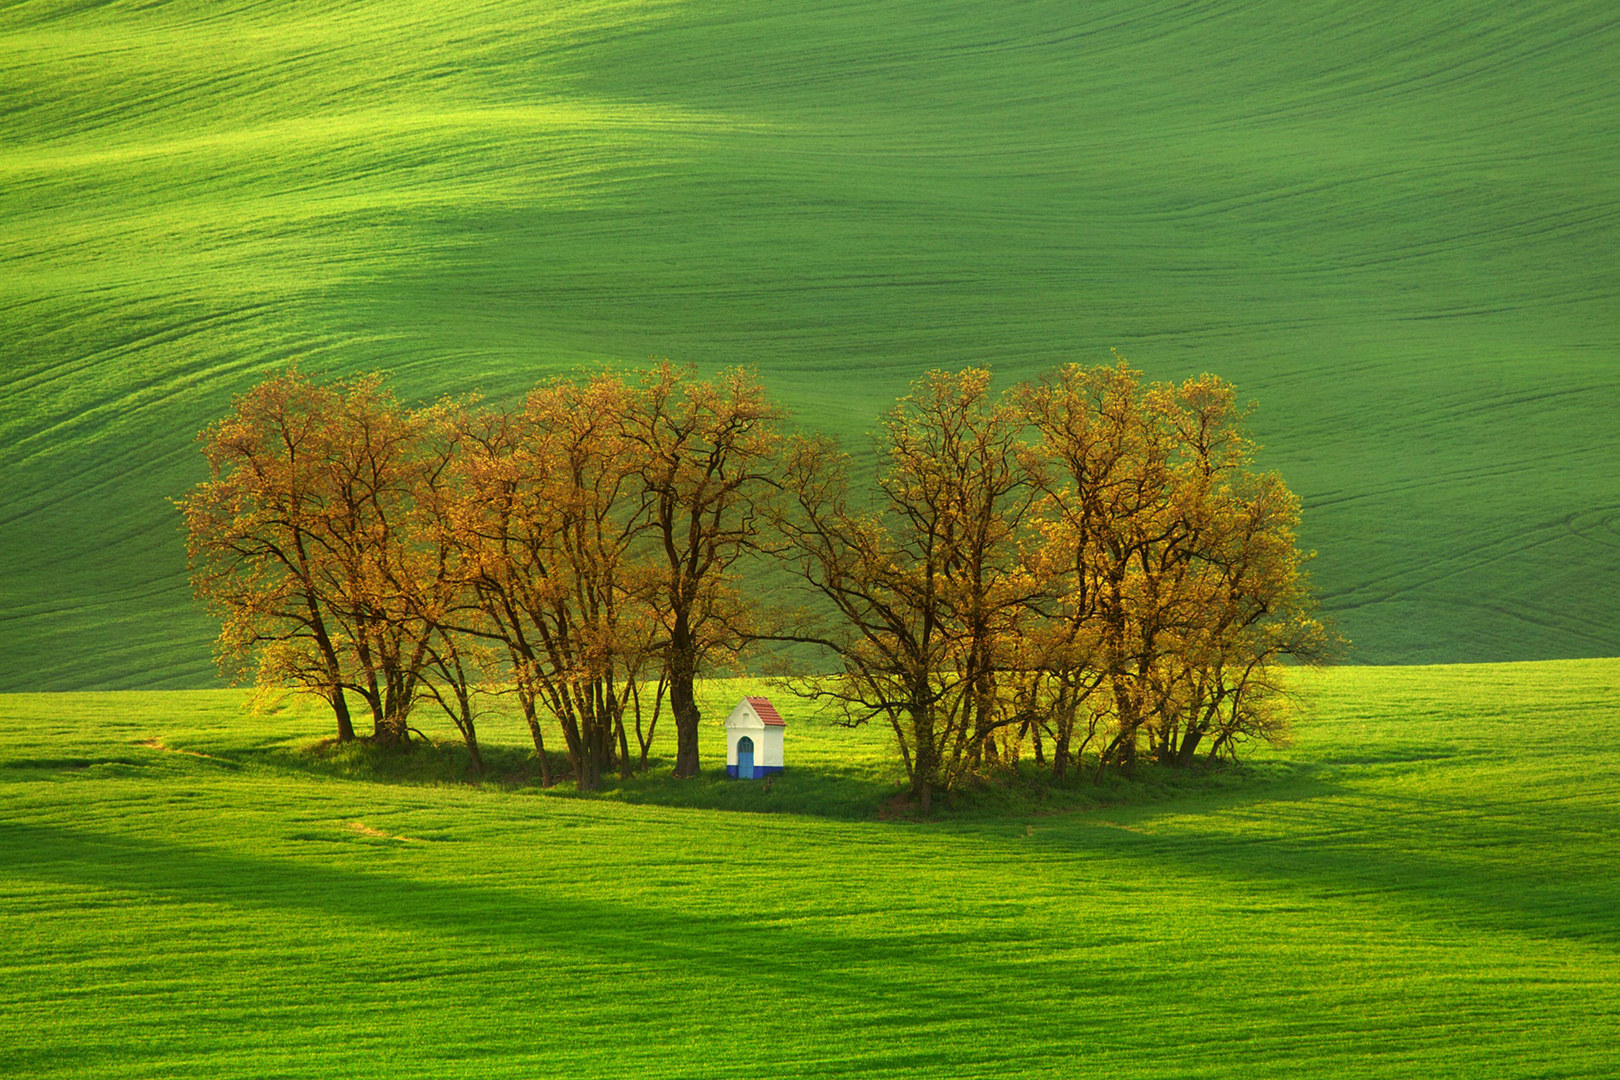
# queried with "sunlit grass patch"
point(1422, 884)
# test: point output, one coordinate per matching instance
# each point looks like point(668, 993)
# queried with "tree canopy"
point(1087, 567)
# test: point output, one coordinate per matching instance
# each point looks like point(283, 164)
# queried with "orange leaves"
point(1085, 556)
point(1185, 556)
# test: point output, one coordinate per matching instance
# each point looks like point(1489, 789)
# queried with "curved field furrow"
point(1393, 226)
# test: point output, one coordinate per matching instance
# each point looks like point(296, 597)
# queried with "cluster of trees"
point(1084, 566)
point(577, 551)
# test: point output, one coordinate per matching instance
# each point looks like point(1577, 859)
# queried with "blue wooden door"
point(745, 758)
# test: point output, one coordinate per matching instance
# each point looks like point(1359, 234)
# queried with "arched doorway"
point(745, 758)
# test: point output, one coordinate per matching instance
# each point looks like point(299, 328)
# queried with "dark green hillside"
point(1395, 226)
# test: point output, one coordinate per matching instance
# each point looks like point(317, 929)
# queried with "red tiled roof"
point(767, 712)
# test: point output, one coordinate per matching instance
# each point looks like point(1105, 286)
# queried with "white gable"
point(754, 712)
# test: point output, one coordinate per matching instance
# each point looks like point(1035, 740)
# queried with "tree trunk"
point(340, 706)
point(645, 741)
point(624, 746)
point(1121, 751)
point(1127, 756)
point(596, 745)
point(1189, 746)
point(389, 730)
point(925, 762)
point(538, 736)
point(683, 703)
point(469, 733)
point(1060, 752)
point(323, 641)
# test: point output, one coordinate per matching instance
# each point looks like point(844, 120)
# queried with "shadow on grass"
point(850, 793)
point(540, 921)
point(861, 790)
point(1539, 868)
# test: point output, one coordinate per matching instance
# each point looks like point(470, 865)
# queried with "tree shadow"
point(858, 790)
point(520, 915)
point(1537, 867)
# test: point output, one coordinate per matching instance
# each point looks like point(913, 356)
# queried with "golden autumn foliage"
point(295, 538)
point(705, 455)
point(1085, 567)
point(544, 530)
point(928, 586)
point(568, 550)
point(1174, 578)
point(1084, 563)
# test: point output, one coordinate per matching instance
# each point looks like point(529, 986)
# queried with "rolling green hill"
point(1394, 226)
point(1423, 887)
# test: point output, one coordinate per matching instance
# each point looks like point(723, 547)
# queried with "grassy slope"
point(1393, 225)
point(1423, 886)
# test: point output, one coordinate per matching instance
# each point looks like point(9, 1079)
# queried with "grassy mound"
point(1393, 226)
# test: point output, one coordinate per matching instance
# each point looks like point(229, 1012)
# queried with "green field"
point(1394, 226)
point(1423, 886)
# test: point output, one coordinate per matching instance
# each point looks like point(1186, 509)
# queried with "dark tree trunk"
point(1060, 753)
point(597, 744)
point(380, 732)
point(925, 763)
point(389, 730)
point(624, 747)
point(684, 705)
point(345, 724)
point(469, 733)
point(323, 641)
point(683, 701)
point(579, 755)
point(645, 740)
point(1121, 752)
point(539, 738)
point(1189, 746)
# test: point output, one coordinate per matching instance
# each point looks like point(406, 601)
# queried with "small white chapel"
point(754, 739)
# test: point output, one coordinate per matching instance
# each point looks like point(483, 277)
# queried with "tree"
point(705, 455)
point(368, 476)
point(1222, 678)
point(298, 543)
point(254, 544)
point(456, 661)
point(1088, 561)
point(546, 528)
point(1175, 563)
point(929, 586)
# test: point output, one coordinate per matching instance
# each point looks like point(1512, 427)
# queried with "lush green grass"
point(1393, 225)
point(1423, 886)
